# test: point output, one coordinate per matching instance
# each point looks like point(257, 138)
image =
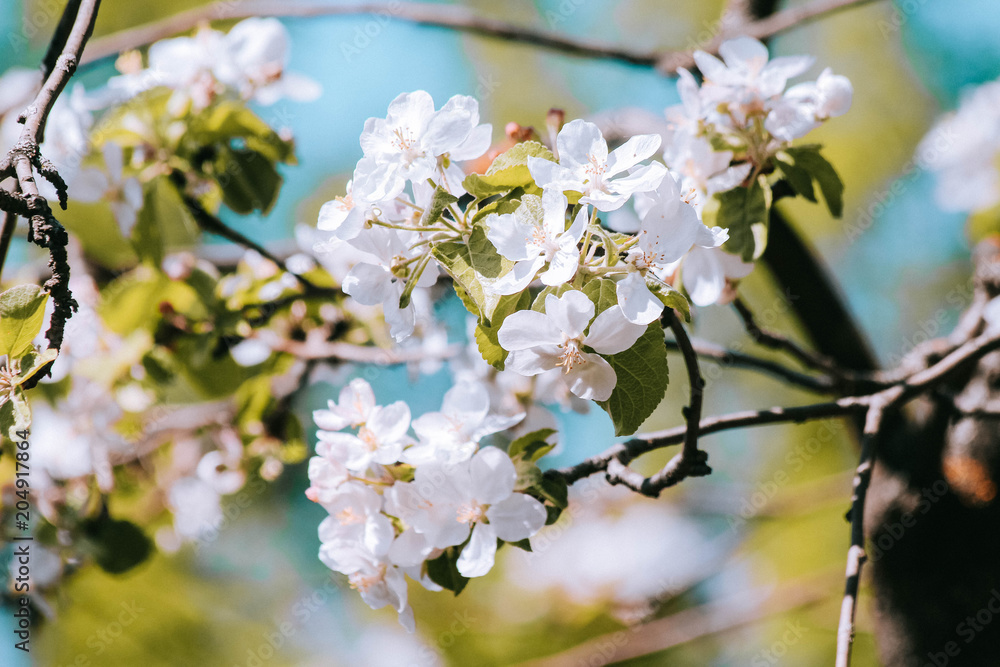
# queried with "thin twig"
point(856, 554)
point(735, 359)
point(213, 225)
point(892, 397)
point(690, 462)
point(454, 18)
point(777, 341)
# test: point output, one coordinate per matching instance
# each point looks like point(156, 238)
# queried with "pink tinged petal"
point(526, 329)
point(518, 517)
point(554, 204)
point(579, 141)
point(441, 527)
point(612, 333)
point(712, 68)
point(743, 51)
point(475, 145)
point(669, 230)
point(638, 304)
point(378, 534)
point(728, 179)
point(409, 549)
point(711, 238)
point(687, 88)
point(548, 174)
point(480, 553)
point(519, 277)
point(787, 67)
point(703, 276)
point(604, 201)
point(735, 268)
point(495, 424)
point(644, 179)
point(359, 398)
point(563, 266)
point(838, 93)
point(593, 380)
point(493, 475)
point(632, 152)
point(368, 284)
point(132, 193)
point(391, 422)
point(114, 160)
point(90, 186)
point(571, 312)
point(125, 216)
point(411, 110)
point(511, 237)
point(468, 403)
point(534, 361)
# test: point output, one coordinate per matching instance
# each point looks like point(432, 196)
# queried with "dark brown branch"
point(455, 18)
point(732, 358)
point(968, 353)
point(652, 441)
point(213, 225)
point(777, 341)
point(24, 159)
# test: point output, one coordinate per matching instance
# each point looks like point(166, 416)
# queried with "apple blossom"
point(531, 243)
point(585, 166)
point(556, 339)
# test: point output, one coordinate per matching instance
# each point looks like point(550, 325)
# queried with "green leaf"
point(522, 544)
point(642, 381)
point(163, 222)
point(120, 545)
point(18, 418)
point(487, 332)
point(509, 170)
point(552, 514)
point(744, 212)
point(231, 120)
point(249, 180)
point(439, 202)
point(528, 441)
point(809, 159)
point(797, 177)
point(475, 266)
point(538, 304)
point(603, 293)
point(443, 571)
point(671, 298)
point(34, 363)
point(22, 311)
point(554, 490)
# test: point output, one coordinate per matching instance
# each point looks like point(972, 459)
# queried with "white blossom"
point(560, 338)
point(585, 166)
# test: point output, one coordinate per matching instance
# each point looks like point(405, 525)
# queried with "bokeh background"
point(743, 567)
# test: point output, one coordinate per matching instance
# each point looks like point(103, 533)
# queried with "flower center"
point(363, 582)
point(407, 144)
point(595, 172)
point(470, 512)
point(366, 436)
point(348, 517)
point(571, 354)
point(346, 202)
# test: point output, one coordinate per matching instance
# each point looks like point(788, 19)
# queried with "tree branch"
point(213, 225)
point(454, 18)
point(24, 159)
point(856, 554)
point(726, 357)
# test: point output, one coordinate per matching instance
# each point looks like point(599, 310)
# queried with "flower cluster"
point(962, 149)
point(402, 505)
point(250, 59)
point(566, 285)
